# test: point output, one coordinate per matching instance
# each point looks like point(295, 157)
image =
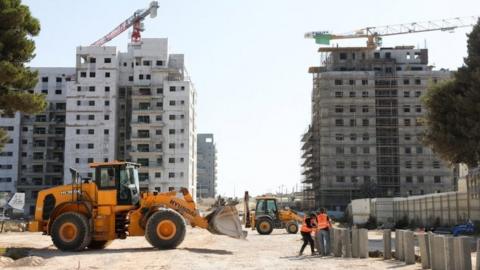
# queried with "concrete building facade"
point(206, 166)
point(137, 106)
point(364, 139)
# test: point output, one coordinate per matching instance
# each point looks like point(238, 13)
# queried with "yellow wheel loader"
point(90, 214)
point(267, 217)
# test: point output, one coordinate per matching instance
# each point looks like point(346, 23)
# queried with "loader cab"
point(266, 206)
point(119, 176)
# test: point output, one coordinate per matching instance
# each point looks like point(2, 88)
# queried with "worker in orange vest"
point(323, 233)
point(306, 230)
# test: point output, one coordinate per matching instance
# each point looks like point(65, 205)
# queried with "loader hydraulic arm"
point(185, 206)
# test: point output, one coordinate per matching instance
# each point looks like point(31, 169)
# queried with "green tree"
point(17, 27)
point(453, 117)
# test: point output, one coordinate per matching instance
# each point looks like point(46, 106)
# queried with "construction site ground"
point(200, 250)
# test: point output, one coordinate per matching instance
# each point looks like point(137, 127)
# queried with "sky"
point(248, 60)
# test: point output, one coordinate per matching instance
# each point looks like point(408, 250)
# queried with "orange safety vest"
point(323, 221)
point(305, 228)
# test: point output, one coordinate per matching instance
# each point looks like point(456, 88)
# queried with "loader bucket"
point(224, 220)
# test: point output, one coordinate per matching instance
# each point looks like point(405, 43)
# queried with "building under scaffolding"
point(364, 139)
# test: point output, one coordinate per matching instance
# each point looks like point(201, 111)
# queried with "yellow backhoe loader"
point(267, 216)
point(90, 214)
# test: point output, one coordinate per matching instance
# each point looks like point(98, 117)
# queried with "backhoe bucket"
point(224, 220)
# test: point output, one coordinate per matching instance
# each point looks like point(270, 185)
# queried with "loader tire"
point(291, 227)
point(96, 244)
point(264, 226)
point(165, 229)
point(71, 232)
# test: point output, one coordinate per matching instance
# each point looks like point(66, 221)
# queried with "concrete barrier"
point(462, 253)
point(431, 245)
point(346, 244)
point(387, 244)
point(424, 245)
point(438, 253)
point(363, 243)
point(401, 248)
point(397, 244)
point(337, 239)
point(408, 247)
point(355, 243)
point(449, 255)
point(477, 267)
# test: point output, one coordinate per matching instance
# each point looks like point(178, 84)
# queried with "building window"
point(339, 150)
point(172, 89)
point(159, 63)
point(406, 122)
point(365, 137)
point(106, 131)
point(93, 60)
point(408, 150)
point(338, 122)
point(366, 164)
point(171, 160)
point(107, 74)
point(340, 179)
point(83, 74)
point(338, 82)
point(353, 122)
point(107, 60)
point(418, 82)
point(107, 88)
point(406, 94)
point(437, 179)
point(418, 93)
point(91, 117)
point(171, 175)
point(343, 56)
point(420, 179)
point(365, 122)
point(58, 92)
point(92, 74)
point(365, 108)
point(365, 94)
point(408, 179)
point(436, 164)
point(419, 150)
point(366, 150)
point(418, 108)
point(406, 81)
point(44, 79)
point(130, 78)
point(140, 76)
point(148, 76)
point(338, 94)
point(408, 164)
point(106, 117)
point(353, 165)
point(353, 137)
point(91, 131)
point(91, 88)
point(171, 117)
point(146, 63)
point(352, 94)
point(351, 82)
point(158, 174)
point(364, 82)
point(107, 103)
point(172, 103)
point(406, 108)
point(159, 90)
point(339, 109)
point(408, 137)
point(339, 137)
point(353, 108)
point(89, 160)
point(158, 132)
point(91, 103)
point(171, 146)
point(90, 146)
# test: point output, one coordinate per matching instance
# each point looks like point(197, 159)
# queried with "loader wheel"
point(165, 229)
point(292, 227)
point(70, 232)
point(264, 226)
point(95, 244)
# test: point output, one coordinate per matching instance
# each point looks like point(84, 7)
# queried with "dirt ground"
point(200, 250)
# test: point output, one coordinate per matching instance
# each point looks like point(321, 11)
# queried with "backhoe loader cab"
point(90, 214)
point(267, 217)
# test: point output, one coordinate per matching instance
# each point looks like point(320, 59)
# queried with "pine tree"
point(17, 26)
point(453, 118)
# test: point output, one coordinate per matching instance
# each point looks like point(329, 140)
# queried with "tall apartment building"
point(365, 133)
point(206, 166)
point(38, 142)
point(10, 153)
point(137, 106)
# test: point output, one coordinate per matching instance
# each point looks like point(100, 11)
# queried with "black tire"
point(70, 232)
point(174, 233)
point(96, 244)
point(264, 226)
point(291, 227)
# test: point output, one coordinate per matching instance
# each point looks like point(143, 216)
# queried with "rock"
point(5, 261)
point(29, 261)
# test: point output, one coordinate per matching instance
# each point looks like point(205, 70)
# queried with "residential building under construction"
point(364, 139)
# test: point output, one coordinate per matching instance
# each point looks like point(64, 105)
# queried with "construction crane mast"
point(374, 34)
point(135, 20)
